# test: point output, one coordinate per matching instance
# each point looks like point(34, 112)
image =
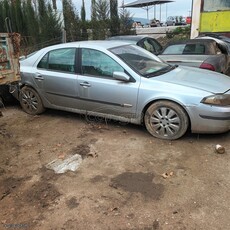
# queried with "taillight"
point(207, 66)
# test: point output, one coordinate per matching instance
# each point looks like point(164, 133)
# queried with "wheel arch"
point(175, 102)
point(31, 104)
point(25, 84)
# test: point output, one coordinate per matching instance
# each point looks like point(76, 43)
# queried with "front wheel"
point(166, 120)
point(30, 101)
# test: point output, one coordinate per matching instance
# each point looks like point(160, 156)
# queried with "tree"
point(1, 18)
point(6, 13)
point(94, 22)
point(31, 23)
point(71, 21)
point(54, 25)
point(114, 18)
point(18, 17)
point(54, 4)
point(84, 34)
point(102, 15)
point(49, 22)
point(125, 21)
point(83, 14)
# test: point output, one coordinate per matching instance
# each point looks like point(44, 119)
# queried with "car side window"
point(148, 46)
point(43, 62)
point(62, 60)
point(97, 63)
point(156, 46)
point(174, 49)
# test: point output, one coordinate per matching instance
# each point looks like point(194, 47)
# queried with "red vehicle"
point(188, 20)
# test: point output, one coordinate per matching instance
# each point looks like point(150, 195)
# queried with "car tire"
point(30, 101)
point(166, 120)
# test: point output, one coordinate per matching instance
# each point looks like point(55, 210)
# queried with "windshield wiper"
point(161, 71)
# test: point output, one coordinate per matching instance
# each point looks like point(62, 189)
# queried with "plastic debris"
point(71, 163)
point(220, 149)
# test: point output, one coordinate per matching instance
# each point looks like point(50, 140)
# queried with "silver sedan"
point(121, 81)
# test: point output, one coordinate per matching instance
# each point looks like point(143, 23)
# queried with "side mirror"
point(121, 76)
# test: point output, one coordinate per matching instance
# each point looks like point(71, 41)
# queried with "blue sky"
point(178, 7)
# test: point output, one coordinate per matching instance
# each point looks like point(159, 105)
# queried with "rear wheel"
point(30, 101)
point(166, 120)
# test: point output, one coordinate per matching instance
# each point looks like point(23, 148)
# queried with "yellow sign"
point(215, 21)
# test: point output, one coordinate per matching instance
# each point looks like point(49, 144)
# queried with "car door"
point(101, 93)
point(56, 78)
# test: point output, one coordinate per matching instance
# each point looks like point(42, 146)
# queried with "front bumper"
point(209, 119)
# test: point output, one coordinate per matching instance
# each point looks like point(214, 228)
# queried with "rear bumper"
point(209, 119)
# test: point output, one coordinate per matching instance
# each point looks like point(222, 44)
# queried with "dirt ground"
point(127, 178)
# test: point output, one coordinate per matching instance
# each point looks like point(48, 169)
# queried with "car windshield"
point(142, 61)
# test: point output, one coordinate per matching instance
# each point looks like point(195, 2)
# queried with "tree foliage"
point(40, 24)
point(125, 21)
point(84, 35)
point(114, 18)
point(36, 21)
point(71, 21)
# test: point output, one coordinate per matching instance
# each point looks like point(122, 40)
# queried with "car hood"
point(201, 79)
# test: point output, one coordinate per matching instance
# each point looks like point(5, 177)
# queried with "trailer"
point(210, 16)
point(9, 65)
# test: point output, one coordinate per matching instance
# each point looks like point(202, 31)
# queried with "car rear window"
point(185, 49)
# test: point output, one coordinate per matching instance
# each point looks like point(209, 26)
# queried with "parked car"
point(137, 25)
point(202, 53)
point(175, 21)
point(143, 41)
point(216, 35)
point(220, 39)
point(121, 81)
point(155, 23)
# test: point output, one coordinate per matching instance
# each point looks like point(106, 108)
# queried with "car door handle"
point(85, 84)
point(39, 77)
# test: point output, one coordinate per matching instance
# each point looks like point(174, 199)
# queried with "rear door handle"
point(85, 84)
point(39, 77)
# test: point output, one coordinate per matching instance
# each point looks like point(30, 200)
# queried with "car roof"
point(92, 43)
point(216, 35)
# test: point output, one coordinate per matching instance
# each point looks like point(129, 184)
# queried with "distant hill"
point(142, 20)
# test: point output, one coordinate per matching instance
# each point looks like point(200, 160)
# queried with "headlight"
point(218, 99)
